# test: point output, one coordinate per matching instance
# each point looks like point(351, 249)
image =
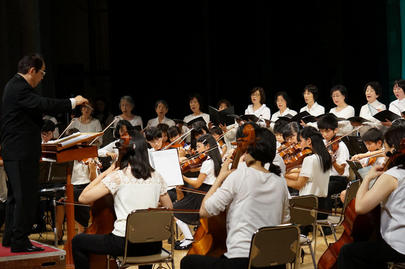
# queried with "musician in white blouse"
point(310, 94)
point(398, 106)
point(342, 109)
point(258, 106)
point(134, 185)
point(282, 101)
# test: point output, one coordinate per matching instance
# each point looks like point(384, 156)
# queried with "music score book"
point(221, 117)
point(71, 140)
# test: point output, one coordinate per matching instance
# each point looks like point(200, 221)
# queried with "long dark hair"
point(213, 152)
point(318, 147)
point(136, 155)
point(393, 137)
point(264, 150)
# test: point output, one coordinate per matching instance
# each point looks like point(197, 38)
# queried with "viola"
point(357, 227)
point(210, 237)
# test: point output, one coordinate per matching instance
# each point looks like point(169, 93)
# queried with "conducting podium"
point(67, 149)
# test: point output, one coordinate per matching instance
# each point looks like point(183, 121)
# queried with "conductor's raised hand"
point(81, 100)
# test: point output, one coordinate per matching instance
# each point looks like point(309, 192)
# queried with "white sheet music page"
point(166, 163)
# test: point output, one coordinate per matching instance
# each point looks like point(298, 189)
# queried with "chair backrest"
point(275, 245)
point(149, 226)
point(301, 209)
point(351, 191)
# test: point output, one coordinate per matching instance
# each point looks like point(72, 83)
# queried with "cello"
point(357, 227)
point(210, 237)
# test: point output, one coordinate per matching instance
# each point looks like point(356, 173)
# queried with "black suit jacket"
point(21, 119)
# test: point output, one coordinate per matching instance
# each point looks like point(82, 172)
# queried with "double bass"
point(210, 237)
point(357, 227)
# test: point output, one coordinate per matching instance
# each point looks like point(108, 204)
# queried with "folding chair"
point(302, 214)
point(334, 221)
point(275, 245)
point(148, 226)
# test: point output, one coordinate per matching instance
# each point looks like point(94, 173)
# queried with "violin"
point(289, 150)
point(357, 227)
point(210, 237)
point(193, 163)
point(297, 159)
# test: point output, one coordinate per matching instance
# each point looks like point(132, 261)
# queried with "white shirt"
point(80, 173)
point(315, 110)
point(131, 193)
point(135, 121)
point(255, 199)
point(191, 117)
point(342, 155)
point(344, 126)
point(393, 213)
point(369, 110)
point(91, 127)
point(278, 114)
point(108, 148)
point(397, 106)
point(155, 121)
point(207, 167)
point(318, 180)
point(53, 119)
point(262, 112)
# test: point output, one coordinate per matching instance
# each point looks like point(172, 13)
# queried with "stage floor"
point(48, 238)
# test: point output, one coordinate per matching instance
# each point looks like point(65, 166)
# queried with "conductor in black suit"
point(21, 120)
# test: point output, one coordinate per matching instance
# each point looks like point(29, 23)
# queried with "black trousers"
point(22, 201)
point(198, 261)
point(85, 244)
point(368, 254)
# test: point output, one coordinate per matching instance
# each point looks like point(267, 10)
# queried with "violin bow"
point(103, 131)
point(340, 138)
point(179, 139)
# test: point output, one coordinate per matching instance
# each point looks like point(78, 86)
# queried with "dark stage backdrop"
point(222, 50)
point(167, 49)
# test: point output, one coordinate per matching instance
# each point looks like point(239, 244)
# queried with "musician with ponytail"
point(246, 193)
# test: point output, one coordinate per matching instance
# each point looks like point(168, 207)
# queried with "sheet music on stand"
point(71, 140)
point(166, 163)
point(354, 144)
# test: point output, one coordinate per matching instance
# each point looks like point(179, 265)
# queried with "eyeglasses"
point(43, 72)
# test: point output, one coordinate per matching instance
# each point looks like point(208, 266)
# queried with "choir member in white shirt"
point(372, 91)
point(161, 109)
point(398, 106)
point(282, 101)
point(127, 105)
point(195, 103)
point(310, 96)
point(342, 109)
point(388, 191)
point(86, 123)
point(258, 106)
point(246, 193)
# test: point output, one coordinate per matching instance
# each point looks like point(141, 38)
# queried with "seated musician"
point(123, 127)
point(313, 176)
point(209, 170)
point(389, 192)
point(163, 127)
point(278, 131)
point(373, 139)
point(247, 193)
point(328, 126)
point(47, 131)
point(153, 136)
point(134, 185)
point(217, 133)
